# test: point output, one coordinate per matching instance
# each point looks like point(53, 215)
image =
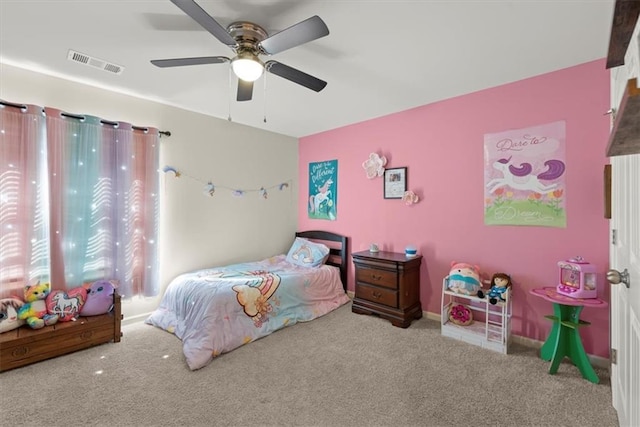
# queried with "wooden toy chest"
point(23, 346)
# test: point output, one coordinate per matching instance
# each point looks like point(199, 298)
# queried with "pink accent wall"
point(441, 144)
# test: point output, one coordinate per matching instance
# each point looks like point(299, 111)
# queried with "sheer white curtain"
point(24, 213)
point(98, 203)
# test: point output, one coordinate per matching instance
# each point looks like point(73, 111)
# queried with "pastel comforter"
point(216, 310)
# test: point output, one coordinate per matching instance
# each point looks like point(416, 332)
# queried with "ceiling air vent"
point(94, 62)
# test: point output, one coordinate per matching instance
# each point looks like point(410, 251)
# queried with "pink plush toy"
point(66, 304)
point(99, 298)
point(464, 278)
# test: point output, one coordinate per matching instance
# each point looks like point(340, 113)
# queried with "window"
point(79, 201)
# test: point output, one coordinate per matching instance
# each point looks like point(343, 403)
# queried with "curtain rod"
point(79, 117)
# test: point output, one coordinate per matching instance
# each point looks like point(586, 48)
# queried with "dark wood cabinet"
point(625, 135)
point(388, 285)
point(23, 346)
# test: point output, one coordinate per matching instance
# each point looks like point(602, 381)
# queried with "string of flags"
point(210, 189)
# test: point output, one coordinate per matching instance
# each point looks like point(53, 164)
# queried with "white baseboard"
point(596, 361)
point(128, 320)
point(431, 316)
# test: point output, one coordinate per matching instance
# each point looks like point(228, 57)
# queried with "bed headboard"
point(338, 253)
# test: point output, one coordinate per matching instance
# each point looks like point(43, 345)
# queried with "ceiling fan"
point(249, 41)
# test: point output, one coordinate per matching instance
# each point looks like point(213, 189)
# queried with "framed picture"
point(395, 183)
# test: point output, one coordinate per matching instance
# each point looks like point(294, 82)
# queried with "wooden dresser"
point(388, 285)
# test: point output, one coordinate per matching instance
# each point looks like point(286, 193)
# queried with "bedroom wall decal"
point(374, 165)
point(410, 198)
point(323, 190)
point(209, 188)
point(524, 179)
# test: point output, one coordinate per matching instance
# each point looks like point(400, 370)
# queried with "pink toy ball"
point(577, 278)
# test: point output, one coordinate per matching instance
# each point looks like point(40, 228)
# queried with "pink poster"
point(524, 176)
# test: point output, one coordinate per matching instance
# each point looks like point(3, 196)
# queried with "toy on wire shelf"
point(460, 315)
point(34, 310)
point(464, 278)
point(500, 283)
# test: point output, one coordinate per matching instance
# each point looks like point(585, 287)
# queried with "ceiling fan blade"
point(179, 62)
point(198, 14)
point(294, 75)
point(245, 90)
point(300, 33)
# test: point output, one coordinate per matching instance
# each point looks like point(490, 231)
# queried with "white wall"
point(196, 230)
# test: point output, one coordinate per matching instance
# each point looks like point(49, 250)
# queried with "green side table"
point(564, 338)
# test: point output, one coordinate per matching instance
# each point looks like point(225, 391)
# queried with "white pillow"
point(306, 253)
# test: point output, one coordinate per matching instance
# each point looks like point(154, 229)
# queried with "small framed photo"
point(395, 183)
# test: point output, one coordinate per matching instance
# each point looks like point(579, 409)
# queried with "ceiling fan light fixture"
point(247, 67)
point(249, 41)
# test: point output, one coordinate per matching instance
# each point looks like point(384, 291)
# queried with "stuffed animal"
point(9, 314)
point(66, 304)
point(99, 298)
point(34, 310)
point(500, 282)
point(464, 278)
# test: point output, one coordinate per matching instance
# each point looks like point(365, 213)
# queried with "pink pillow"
point(67, 304)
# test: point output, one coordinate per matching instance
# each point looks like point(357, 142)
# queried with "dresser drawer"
point(388, 279)
point(378, 295)
point(387, 285)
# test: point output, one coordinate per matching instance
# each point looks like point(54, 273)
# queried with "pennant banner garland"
point(209, 188)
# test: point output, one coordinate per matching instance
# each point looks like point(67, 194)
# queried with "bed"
point(216, 310)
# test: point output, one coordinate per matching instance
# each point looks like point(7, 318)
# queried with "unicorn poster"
point(323, 190)
point(524, 176)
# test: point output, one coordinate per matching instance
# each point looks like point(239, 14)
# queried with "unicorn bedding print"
point(524, 176)
point(214, 311)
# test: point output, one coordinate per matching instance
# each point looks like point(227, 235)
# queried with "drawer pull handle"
point(376, 295)
point(374, 277)
point(20, 352)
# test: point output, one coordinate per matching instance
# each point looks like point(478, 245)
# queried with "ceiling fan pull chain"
point(229, 93)
point(265, 98)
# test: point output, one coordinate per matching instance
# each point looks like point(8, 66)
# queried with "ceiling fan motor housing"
point(247, 36)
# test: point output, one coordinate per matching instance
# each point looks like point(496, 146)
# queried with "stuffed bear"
point(464, 278)
point(9, 314)
point(34, 310)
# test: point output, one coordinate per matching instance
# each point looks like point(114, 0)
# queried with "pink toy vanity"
point(577, 278)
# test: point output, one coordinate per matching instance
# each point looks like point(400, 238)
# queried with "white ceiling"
point(380, 57)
